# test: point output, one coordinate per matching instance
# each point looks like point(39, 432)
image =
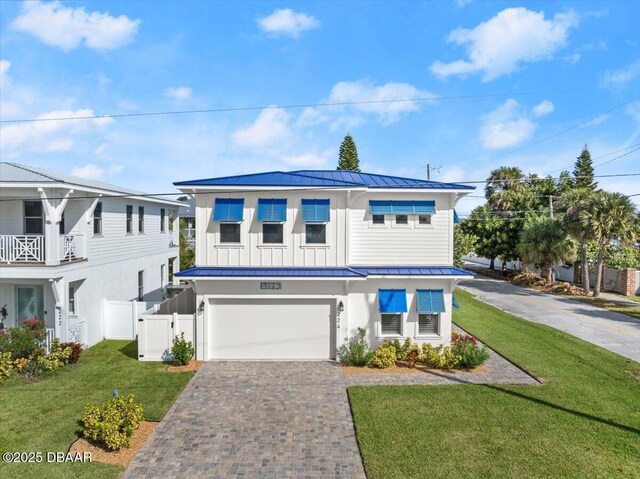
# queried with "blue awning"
point(228, 210)
point(456, 218)
point(272, 210)
point(402, 207)
point(430, 300)
point(392, 300)
point(454, 300)
point(315, 211)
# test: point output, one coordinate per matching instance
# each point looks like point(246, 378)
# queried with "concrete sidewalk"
point(613, 331)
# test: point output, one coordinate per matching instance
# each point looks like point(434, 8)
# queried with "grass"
point(583, 422)
point(610, 305)
point(44, 416)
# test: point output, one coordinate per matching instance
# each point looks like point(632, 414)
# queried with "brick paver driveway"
point(256, 420)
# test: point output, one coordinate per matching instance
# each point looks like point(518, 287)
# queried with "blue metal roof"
point(337, 272)
point(323, 178)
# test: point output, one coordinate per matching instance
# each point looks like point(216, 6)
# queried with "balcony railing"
point(22, 248)
point(71, 247)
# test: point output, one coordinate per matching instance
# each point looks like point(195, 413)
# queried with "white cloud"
point(572, 59)
point(270, 129)
point(306, 160)
point(179, 93)
point(462, 3)
point(622, 77)
point(4, 68)
point(50, 135)
point(499, 45)
point(92, 171)
point(543, 108)
point(386, 112)
point(68, 28)
point(286, 22)
point(506, 126)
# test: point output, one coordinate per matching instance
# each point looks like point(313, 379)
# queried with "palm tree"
point(608, 217)
point(501, 185)
point(573, 202)
point(546, 243)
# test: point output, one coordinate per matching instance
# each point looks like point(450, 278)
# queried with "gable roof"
point(323, 178)
point(17, 173)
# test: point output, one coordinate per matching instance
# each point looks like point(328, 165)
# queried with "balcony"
point(32, 249)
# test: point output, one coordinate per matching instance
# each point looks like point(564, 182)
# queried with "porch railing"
point(72, 247)
point(22, 248)
point(50, 334)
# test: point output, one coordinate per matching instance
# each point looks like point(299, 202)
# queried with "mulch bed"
point(402, 368)
point(122, 457)
point(192, 366)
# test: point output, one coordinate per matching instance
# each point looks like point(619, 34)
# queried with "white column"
point(60, 321)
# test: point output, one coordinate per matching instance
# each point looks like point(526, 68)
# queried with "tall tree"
point(583, 171)
point(502, 185)
point(609, 216)
point(348, 155)
point(485, 228)
point(545, 243)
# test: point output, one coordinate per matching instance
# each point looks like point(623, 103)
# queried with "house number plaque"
point(270, 285)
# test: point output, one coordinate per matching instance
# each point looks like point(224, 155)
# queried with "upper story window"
point(129, 219)
point(402, 219)
point(33, 218)
point(230, 232)
point(162, 219)
point(315, 214)
point(140, 219)
point(272, 233)
point(229, 212)
point(424, 219)
point(377, 219)
point(272, 213)
point(401, 209)
point(97, 219)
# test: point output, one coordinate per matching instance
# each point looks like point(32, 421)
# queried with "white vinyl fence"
point(121, 318)
point(157, 331)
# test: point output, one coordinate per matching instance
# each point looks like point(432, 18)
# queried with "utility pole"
point(429, 168)
point(551, 205)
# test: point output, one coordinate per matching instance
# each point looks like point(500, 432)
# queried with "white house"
point(289, 264)
point(68, 244)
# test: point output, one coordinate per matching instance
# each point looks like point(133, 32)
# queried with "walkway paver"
point(256, 420)
point(613, 331)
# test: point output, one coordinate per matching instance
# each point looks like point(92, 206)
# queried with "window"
point(72, 300)
point(424, 219)
point(61, 224)
point(129, 219)
point(97, 219)
point(140, 219)
point(316, 233)
point(33, 219)
point(162, 275)
point(29, 302)
point(428, 324)
point(171, 216)
point(162, 227)
point(272, 233)
point(377, 219)
point(402, 219)
point(229, 233)
point(140, 285)
point(391, 324)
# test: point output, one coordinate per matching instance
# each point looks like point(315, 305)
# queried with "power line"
point(525, 178)
point(602, 156)
point(616, 158)
point(297, 106)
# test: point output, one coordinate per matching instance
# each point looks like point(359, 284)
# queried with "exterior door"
point(29, 302)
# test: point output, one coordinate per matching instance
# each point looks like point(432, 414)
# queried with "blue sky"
point(65, 59)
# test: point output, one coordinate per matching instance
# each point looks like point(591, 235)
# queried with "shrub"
point(36, 365)
point(20, 364)
point(182, 350)
point(356, 352)
point(22, 341)
point(384, 356)
point(471, 355)
point(412, 357)
point(439, 358)
point(76, 351)
point(6, 365)
point(463, 338)
point(58, 356)
point(113, 422)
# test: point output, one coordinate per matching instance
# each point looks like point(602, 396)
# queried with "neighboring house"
point(68, 244)
point(288, 265)
point(188, 222)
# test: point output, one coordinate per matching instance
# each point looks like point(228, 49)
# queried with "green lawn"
point(583, 422)
point(44, 416)
point(615, 306)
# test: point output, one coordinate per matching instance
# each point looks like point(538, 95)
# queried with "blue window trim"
point(430, 300)
point(315, 210)
point(228, 210)
point(392, 300)
point(272, 210)
point(402, 207)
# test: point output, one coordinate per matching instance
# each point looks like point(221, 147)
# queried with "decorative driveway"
point(256, 420)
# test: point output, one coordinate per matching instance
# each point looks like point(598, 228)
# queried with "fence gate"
point(156, 333)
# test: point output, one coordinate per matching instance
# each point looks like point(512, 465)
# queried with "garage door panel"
point(270, 329)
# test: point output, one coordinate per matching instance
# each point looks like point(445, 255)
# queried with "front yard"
point(583, 422)
point(44, 416)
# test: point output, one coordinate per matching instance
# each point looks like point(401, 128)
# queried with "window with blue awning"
point(430, 300)
point(228, 210)
point(315, 211)
point(402, 207)
point(272, 210)
point(392, 300)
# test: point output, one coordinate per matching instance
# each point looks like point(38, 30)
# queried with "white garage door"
point(270, 329)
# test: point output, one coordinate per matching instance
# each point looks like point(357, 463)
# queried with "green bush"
point(356, 352)
point(384, 356)
point(439, 358)
point(6, 365)
point(58, 356)
point(471, 356)
point(76, 351)
point(182, 350)
point(113, 422)
point(22, 341)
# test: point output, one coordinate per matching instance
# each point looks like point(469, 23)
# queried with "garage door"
point(271, 329)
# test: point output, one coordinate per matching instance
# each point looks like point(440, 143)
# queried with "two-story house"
point(289, 264)
point(68, 244)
